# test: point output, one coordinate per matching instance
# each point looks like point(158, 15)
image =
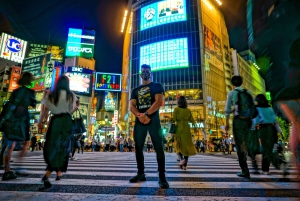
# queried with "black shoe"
point(163, 182)
point(47, 184)
point(254, 164)
point(138, 178)
point(44, 178)
point(242, 174)
point(58, 178)
point(9, 176)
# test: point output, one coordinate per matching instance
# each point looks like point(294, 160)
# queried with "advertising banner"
point(108, 81)
point(84, 111)
point(110, 101)
point(35, 49)
point(80, 43)
point(38, 66)
point(12, 48)
point(165, 55)
point(163, 12)
point(212, 43)
point(38, 84)
point(80, 80)
point(14, 78)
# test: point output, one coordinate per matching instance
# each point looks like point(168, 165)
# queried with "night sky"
point(48, 22)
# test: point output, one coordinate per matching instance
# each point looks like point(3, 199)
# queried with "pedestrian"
point(129, 144)
point(62, 103)
point(202, 145)
point(288, 102)
point(112, 144)
point(185, 144)
point(149, 144)
point(81, 141)
point(265, 118)
point(40, 145)
point(33, 142)
point(94, 143)
point(107, 143)
point(20, 99)
point(145, 102)
point(79, 137)
point(240, 103)
point(121, 141)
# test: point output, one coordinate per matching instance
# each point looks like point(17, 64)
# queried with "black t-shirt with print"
point(145, 96)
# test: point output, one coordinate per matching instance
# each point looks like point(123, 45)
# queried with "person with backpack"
point(241, 104)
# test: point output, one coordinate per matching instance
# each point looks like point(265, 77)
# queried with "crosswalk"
point(105, 175)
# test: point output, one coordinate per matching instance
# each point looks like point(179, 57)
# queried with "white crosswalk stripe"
point(105, 176)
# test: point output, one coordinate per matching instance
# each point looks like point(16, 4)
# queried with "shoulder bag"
point(12, 125)
point(78, 125)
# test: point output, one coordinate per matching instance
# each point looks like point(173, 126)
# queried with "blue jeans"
point(121, 147)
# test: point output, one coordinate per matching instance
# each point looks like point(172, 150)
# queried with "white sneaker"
point(265, 173)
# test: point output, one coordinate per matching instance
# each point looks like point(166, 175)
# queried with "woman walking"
point(61, 102)
point(268, 128)
point(20, 99)
point(183, 137)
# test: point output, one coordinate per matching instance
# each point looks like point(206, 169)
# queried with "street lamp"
point(106, 120)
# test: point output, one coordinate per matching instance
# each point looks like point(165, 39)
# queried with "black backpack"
point(245, 104)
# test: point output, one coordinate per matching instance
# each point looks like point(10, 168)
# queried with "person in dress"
point(61, 102)
point(183, 137)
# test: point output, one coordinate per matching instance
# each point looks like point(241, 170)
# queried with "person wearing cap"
point(145, 102)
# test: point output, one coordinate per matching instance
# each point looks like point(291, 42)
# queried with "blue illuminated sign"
point(163, 12)
point(165, 55)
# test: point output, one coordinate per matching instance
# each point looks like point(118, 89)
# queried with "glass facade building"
point(187, 45)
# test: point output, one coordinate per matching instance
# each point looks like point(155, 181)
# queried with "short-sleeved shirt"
point(145, 96)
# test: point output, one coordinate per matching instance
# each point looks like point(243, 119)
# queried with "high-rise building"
point(186, 43)
point(245, 66)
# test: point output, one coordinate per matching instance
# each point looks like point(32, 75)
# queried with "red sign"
point(14, 78)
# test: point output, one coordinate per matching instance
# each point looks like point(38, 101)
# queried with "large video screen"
point(165, 55)
point(163, 12)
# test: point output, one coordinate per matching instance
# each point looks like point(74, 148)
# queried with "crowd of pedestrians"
point(254, 128)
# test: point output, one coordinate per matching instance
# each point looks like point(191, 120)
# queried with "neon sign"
point(108, 82)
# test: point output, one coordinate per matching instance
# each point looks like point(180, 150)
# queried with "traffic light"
point(210, 131)
point(164, 130)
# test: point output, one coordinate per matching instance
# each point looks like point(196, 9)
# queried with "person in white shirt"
point(121, 141)
point(61, 102)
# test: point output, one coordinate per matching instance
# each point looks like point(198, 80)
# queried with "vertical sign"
point(14, 78)
point(115, 118)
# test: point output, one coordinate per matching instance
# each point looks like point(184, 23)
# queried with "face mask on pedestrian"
point(145, 75)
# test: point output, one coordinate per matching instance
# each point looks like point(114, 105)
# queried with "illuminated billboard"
point(108, 81)
point(163, 12)
point(110, 101)
point(12, 48)
point(165, 55)
point(80, 79)
point(35, 49)
point(38, 66)
point(80, 43)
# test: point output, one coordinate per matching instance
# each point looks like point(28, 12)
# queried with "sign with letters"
point(80, 43)
point(108, 81)
point(12, 48)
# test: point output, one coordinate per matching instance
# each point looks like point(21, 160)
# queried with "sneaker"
point(242, 174)
point(138, 178)
point(163, 183)
point(22, 171)
point(8, 176)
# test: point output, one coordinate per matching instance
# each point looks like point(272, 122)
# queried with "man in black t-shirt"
point(145, 102)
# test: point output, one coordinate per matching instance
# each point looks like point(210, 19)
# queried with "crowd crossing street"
point(105, 176)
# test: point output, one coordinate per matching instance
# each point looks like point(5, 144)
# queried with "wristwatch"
point(146, 113)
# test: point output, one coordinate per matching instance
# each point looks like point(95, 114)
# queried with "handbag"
point(78, 125)
point(12, 120)
point(172, 128)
